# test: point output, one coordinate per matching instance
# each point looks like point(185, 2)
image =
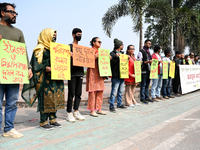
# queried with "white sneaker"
point(70, 117)
point(137, 104)
point(78, 116)
point(13, 133)
point(132, 105)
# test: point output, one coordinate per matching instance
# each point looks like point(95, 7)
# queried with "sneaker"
point(122, 106)
point(70, 117)
point(46, 127)
point(112, 109)
point(101, 112)
point(94, 114)
point(13, 133)
point(132, 105)
point(159, 98)
point(151, 101)
point(78, 116)
point(177, 95)
point(155, 100)
point(166, 97)
point(171, 96)
point(56, 125)
point(137, 104)
point(144, 101)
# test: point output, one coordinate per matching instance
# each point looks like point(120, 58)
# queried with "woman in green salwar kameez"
point(50, 93)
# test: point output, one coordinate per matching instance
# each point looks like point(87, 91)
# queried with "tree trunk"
point(141, 42)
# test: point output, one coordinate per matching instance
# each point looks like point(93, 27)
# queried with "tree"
point(133, 8)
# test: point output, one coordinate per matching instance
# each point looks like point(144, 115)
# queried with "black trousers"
point(176, 83)
point(74, 89)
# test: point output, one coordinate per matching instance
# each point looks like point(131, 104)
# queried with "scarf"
point(44, 40)
point(148, 52)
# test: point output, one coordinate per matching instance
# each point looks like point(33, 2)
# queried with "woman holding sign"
point(95, 83)
point(130, 82)
point(50, 93)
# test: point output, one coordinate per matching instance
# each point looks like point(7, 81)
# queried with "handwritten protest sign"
point(190, 62)
point(172, 69)
point(154, 69)
point(124, 69)
point(137, 68)
point(104, 62)
point(60, 61)
point(165, 69)
point(184, 61)
point(13, 68)
point(83, 56)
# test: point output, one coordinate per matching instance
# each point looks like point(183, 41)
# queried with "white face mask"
point(188, 59)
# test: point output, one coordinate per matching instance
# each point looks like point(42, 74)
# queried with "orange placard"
point(83, 56)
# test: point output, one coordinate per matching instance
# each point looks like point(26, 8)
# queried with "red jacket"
point(154, 56)
point(131, 69)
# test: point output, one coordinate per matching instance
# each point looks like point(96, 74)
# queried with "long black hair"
point(128, 47)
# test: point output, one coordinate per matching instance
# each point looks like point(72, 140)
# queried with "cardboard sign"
point(83, 56)
point(137, 68)
point(124, 69)
point(60, 61)
point(172, 69)
point(154, 69)
point(165, 69)
point(104, 62)
point(13, 68)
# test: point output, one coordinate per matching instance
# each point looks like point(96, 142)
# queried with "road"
point(167, 125)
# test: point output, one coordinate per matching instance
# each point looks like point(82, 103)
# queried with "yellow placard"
point(124, 69)
point(60, 61)
point(172, 69)
point(190, 62)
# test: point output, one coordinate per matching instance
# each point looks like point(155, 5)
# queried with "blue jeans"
point(11, 92)
point(117, 89)
point(156, 86)
point(166, 91)
point(144, 87)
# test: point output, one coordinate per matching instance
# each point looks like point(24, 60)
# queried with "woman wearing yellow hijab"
point(50, 93)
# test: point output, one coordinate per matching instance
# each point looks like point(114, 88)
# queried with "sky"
point(64, 15)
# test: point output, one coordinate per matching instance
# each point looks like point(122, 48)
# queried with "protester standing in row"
point(157, 83)
point(75, 84)
point(95, 83)
point(176, 81)
point(192, 57)
point(8, 31)
point(117, 83)
point(166, 86)
point(130, 82)
point(145, 56)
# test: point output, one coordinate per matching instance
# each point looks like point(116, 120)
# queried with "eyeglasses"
point(132, 49)
point(12, 12)
point(99, 42)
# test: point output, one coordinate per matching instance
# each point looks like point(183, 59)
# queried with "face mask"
point(54, 39)
point(78, 38)
point(8, 20)
point(188, 59)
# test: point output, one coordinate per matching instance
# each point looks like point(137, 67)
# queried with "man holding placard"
point(117, 82)
point(145, 56)
point(7, 31)
point(75, 84)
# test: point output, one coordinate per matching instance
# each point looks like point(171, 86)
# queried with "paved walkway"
point(126, 129)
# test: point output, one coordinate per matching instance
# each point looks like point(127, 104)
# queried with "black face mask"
point(54, 39)
point(8, 20)
point(78, 38)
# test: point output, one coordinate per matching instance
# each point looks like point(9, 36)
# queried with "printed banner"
point(172, 69)
point(83, 56)
point(190, 78)
point(60, 61)
point(154, 69)
point(14, 69)
point(165, 69)
point(137, 68)
point(104, 62)
point(124, 69)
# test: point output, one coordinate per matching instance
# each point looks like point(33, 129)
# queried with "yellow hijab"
point(44, 40)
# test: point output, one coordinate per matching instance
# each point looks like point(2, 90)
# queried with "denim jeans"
point(156, 86)
point(117, 89)
point(11, 92)
point(166, 87)
point(144, 87)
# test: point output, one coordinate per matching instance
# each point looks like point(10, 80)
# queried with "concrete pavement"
point(168, 124)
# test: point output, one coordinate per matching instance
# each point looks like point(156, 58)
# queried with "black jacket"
point(76, 71)
point(145, 67)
